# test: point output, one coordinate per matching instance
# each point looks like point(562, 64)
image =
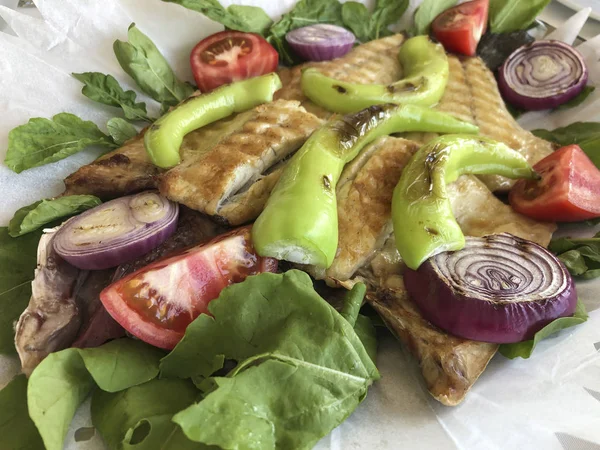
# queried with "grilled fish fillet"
point(367, 250)
point(375, 62)
point(471, 95)
point(228, 168)
point(122, 171)
point(221, 179)
point(364, 192)
point(450, 365)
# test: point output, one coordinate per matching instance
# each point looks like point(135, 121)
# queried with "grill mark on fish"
point(375, 62)
point(207, 182)
point(450, 365)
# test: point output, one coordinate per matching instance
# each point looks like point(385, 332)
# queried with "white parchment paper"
point(551, 401)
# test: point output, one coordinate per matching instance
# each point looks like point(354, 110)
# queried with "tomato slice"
point(159, 301)
point(460, 28)
point(569, 190)
point(231, 56)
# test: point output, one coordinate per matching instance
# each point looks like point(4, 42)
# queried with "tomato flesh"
point(231, 56)
point(569, 189)
point(460, 28)
point(159, 301)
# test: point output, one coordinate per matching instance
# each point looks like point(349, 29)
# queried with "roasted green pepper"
point(299, 222)
point(425, 67)
point(424, 224)
point(164, 137)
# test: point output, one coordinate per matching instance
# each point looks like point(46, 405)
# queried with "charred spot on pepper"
point(326, 182)
point(351, 127)
point(432, 231)
point(340, 89)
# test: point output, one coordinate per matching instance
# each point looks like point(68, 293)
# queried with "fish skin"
point(365, 191)
point(472, 95)
point(123, 171)
point(207, 182)
point(192, 229)
point(52, 319)
point(450, 365)
point(367, 252)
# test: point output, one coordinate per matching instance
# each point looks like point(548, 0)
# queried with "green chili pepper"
point(299, 222)
point(164, 137)
point(426, 71)
point(424, 224)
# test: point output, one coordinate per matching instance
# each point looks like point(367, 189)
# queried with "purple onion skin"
point(105, 258)
point(472, 318)
point(544, 101)
point(331, 42)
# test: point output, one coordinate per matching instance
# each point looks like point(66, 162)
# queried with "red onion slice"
point(499, 289)
point(542, 75)
point(117, 231)
point(320, 42)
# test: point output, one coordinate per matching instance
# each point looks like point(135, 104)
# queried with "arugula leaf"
point(16, 427)
point(365, 330)
point(251, 19)
point(512, 15)
point(352, 302)
point(106, 90)
point(43, 141)
point(64, 379)
point(121, 130)
point(580, 256)
point(575, 133)
point(525, 349)
point(30, 218)
point(429, 10)
point(56, 389)
point(140, 417)
point(18, 259)
point(305, 12)
point(301, 367)
point(366, 26)
point(495, 48)
point(147, 66)
point(584, 134)
point(583, 95)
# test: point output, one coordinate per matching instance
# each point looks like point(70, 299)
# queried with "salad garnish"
point(106, 89)
point(229, 56)
point(566, 192)
point(542, 75)
point(460, 28)
point(320, 42)
point(143, 62)
point(34, 216)
point(425, 67)
point(424, 224)
point(117, 231)
point(299, 222)
point(498, 288)
point(164, 137)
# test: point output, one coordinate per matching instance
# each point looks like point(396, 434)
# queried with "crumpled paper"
point(551, 401)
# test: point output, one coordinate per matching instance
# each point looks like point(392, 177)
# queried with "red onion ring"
point(117, 231)
point(499, 289)
point(320, 42)
point(542, 75)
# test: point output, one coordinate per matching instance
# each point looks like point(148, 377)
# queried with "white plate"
point(576, 5)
